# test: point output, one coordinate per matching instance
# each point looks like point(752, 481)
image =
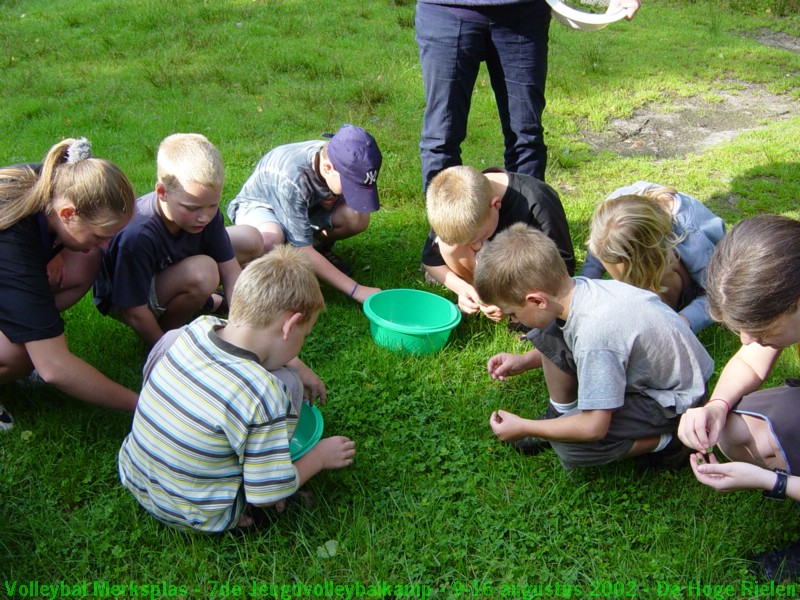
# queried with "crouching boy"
point(211, 431)
point(466, 207)
point(620, 365)
point(165, 265)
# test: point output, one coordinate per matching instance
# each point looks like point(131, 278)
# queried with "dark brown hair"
point(754, 273)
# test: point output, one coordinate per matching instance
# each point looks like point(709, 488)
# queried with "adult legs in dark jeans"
point(512, 40)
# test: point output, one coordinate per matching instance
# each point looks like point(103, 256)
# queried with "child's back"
point(626, 340)
point(212, 429)
point(205, 405)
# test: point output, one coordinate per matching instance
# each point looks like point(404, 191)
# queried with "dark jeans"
point(512, 41)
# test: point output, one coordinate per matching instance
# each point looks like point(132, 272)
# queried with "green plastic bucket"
point(411, 321)
point(307, 432)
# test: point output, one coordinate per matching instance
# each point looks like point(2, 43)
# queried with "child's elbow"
point(598, 427)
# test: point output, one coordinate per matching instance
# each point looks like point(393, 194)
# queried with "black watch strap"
point(778, 491)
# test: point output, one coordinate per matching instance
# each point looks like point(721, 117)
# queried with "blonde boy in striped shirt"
point(211, 432)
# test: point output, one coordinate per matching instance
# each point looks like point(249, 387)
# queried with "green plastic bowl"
point(308, 431)
point(411, 321)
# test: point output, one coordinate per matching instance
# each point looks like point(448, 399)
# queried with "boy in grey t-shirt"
point(624, 371)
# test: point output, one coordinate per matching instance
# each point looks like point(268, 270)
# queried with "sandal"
point(6, 420)
point(216, 304)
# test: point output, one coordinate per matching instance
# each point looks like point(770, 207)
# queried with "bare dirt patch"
point(777, 39)
point(692, 124)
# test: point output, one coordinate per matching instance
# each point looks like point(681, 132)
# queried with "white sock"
point(663, 440)
point(563, 408)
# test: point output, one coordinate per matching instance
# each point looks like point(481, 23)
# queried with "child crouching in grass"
point(165, 265)
point(658, 239)
point(466, 207)
point(620, 366)
point(211, 431)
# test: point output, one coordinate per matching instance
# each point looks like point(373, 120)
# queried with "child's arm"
point(505, 364)
point(735, 476)
point(585, 426)
point(745, 373)
point(333, 276)
point(229, 272)
point(334, 452)
point(312, 384)
point(468, 299)
point(59, 367)
point(144, 323)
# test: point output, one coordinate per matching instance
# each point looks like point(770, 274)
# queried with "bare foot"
point(307, 497)
point(337, 451)
point(245, 521)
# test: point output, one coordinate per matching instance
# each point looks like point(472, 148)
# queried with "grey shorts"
point(152, 303)
point(550, 342)
point(640, 417)
point(780, 408)
point(256, 214)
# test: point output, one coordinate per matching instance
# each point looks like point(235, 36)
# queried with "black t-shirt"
point(27, 306)
point(527, 200)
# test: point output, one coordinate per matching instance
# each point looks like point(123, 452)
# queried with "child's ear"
point(289, 323)
point(67, 212)
point(326, 166)
point(539, 299)
point(161, 191)
point(496, 202)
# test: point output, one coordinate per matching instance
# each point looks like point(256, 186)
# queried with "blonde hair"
point(458, 201)
point(323, 152)
point(280, 281)
point(99, 190)
point(635, 232)
point(754, 274)
point(189, 157)
point(518, 260)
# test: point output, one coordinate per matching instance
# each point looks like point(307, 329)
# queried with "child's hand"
point(505, 425)
point(504, 365)
point(492, 312)
point(363, 292)
point(56, 272)
point(468, 302)
point(630, 7)
point(732, 476)
point(313, 387)
point(337, 452)
point(699, 428)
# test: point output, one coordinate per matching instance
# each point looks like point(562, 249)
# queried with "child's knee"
point(270, 241)
point(348, 222)
point(247, 242)
point(199, 275)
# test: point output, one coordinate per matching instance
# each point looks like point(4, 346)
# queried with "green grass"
point(433, 497)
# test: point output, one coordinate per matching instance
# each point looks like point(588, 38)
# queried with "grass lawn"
point(433, 498)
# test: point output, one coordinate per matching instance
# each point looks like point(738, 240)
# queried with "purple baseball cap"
point(356, 157)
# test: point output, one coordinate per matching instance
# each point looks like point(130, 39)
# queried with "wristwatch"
point(778, 491)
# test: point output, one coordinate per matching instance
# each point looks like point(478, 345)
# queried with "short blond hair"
point(635, 232)
point(458, 203)
point(189, 158)
point(282, 280)
point(519, 260)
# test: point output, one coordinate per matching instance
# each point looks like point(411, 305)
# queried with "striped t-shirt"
point(211, 432)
